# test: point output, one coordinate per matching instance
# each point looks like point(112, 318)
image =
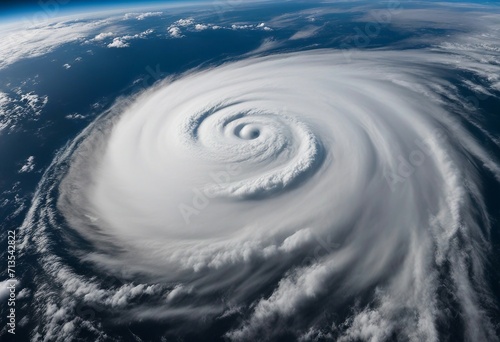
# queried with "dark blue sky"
point(10, 4)
point(10, 9)
point(34, 5)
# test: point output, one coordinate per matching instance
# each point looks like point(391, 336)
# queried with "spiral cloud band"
point(275, 190)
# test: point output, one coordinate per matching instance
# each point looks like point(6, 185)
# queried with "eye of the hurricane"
point(247, 132)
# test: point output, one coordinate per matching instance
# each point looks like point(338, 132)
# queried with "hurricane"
point(275, 196)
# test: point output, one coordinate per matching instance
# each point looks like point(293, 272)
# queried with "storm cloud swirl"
point(306, 193)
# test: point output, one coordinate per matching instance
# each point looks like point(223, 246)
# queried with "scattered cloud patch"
point(184, 22)
point(102, 36)
point(28, 166)
point(43, 38)
point(189, 24)
point(75, 116)
point(174, 29)
point(67, 66)
point(19, 106)
point(200, 27)
point(34, 102)
point(142, 16)
point(241, 27)
point(261, 26)
point(264, 27)
point(123, 42)
point(175, 32)
point(118, 43)
point(138, 35)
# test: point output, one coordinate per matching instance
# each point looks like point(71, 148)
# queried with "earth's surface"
point(250, 171)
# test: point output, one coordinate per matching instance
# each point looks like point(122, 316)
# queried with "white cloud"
point(118, 43)
point(123, 41)
point(175, 32)
point(200, 27)
point(66, 66)
point(19, 106)
point(264, 27)
point(102, 36)
point(28, 166)
point(241, 27)
point(75, 116)
point(34, 101)
point(142, 16)
point(261, 26)
point(184, 22)
point(138, 35)
point(174, 29)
